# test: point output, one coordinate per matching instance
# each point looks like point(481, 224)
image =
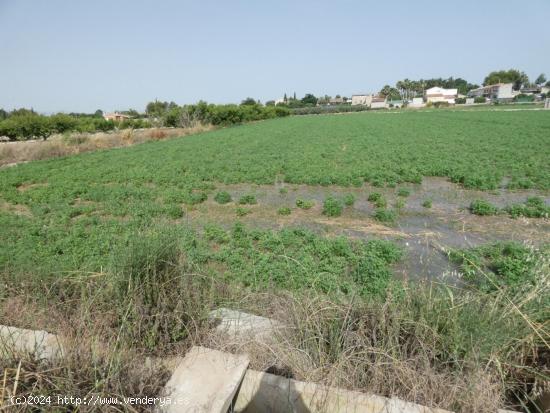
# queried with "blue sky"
point(62, 55)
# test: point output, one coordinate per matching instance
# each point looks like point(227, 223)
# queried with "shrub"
point(304, 204)
point(332, 207)
point(349, 199)
point(247, 200)
point(460, 101)
point(404, 192)
point(384, 215)
point(480, 99)
point(283, 191)
point(242, 211)
point(222, 197)
point(427, 203)
point(482, 207)
point(284, 211)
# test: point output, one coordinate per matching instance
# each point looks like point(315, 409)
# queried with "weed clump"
point(404, 192)
point(195, 198)
point(222, 197)
point(349, 200)
point(482, 207)
point(304, 204)
point(427, 203)
point(241, 212)
point(534, 207)
point(502, 264)
point(174, 211)
point(248, 199)
point(385, 215)
point(375, 196)
point(284, 211)
point(399, 204)
point(332, 207)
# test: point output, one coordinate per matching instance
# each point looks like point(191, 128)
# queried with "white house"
point(499, 91)
point(439, 94)
point(361, 99)
point(379, 102)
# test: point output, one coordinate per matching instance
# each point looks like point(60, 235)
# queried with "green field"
point(68, 214)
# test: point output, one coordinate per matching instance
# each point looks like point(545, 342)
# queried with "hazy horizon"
point(79, 57)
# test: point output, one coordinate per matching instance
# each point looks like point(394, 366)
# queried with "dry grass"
point(12, 153)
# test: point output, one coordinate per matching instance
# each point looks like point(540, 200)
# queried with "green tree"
point(3, 114)
point(61, 123)
point(389, 92)
point(248, 102)
point(540, 79)
point(98, 113)
point(519, 79)
point(309, 99)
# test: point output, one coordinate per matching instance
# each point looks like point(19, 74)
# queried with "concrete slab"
point(263, 392)
point(40, 344)
point(205, 381)
point(238, 323)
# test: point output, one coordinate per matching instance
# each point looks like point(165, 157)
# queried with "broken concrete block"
point(40, 344)
point(235, 323)
point(263, 392)
point(205, 381)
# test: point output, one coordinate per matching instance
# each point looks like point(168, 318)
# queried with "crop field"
point(66, 214)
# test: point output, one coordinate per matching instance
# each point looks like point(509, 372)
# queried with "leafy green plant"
point(349, 200)
point(222, 197)
point(482, 207)
point(248, 199)
point(283, 191)
point(534, 207)
point(304, 204)
point(284, 211)
point(374, 196)
point(174, 211)
point(427, 203)
point(195, 198)
point(384, 215)
point(332, 207)
point(404, 192)
point(241, 212)
point(381, 202)
point(399, 204)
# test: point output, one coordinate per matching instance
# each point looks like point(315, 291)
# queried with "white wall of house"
point(504, 91)
point(361, 100)
point(439, 94)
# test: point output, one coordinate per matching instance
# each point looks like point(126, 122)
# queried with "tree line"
point(25, 124)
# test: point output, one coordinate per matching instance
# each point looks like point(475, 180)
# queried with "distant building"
point(280, 101)
point(500, 91)
point(439, 94)
point(361, 99)
point(416, 103)
point(379, 102)
point(336, 101)
point(116, 117)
